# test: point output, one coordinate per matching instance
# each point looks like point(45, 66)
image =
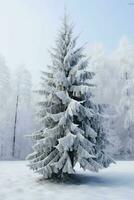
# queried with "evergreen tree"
point(72, 130)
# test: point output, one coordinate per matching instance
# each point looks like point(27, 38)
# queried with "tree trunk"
point(15, 122)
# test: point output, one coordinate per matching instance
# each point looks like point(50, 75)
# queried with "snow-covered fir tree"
point(72, 130)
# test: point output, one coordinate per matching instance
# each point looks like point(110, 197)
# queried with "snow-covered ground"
point(17, 182)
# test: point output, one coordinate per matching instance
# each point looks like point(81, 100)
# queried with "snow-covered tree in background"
point(114, 79)
point(106, 78)
point(124, 57)
point(72, 130)
point(23, 120)
point(4, 83)
point(16, 113)
point(5, 100)
point(106, 74)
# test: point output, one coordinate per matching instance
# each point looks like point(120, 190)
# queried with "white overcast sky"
point(26, 32)
point(28, 27)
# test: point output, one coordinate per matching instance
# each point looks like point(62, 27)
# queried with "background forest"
point(114, 80)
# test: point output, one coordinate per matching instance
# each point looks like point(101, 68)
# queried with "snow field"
point(18, 182)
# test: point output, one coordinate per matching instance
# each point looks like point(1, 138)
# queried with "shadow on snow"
point(106, 180)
